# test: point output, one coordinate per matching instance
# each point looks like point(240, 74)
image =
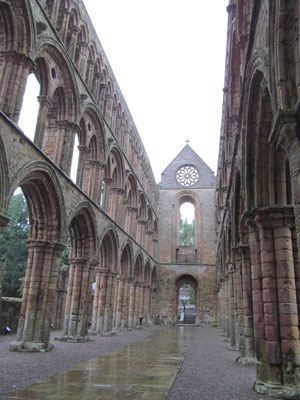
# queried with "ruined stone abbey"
point(127, 263)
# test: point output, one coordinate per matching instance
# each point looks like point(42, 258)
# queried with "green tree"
point(192, 297)
point(187, 233)
point(13, 248)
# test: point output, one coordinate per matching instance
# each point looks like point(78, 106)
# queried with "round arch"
point(192, 316)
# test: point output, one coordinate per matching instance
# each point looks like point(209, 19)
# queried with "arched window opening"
point(187, 225)
point(13, 249)
point(30, 107)
point(186, 304)
point(102, 193)
point(75, 159)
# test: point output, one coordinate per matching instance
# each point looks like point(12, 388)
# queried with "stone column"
point(270, 360)
point(54, 13)
point(125, 305)
point(83, 58)
point(132, 286)
point(102, 96)
point(146, 304)
point(117, 195)
point(108, 310)
point(73, 41)
point(96, 303)
point(247, 353)
point(95, 86)
point(136, 318)
point(227, 308)
point(78, 300)
point(90, 74)
point(14, 71)
point(99, 322)
point(45, 103)
point(64, 145)
point(92, 178)
point(65, 25)
point(83, 155)
point(119, 305)
point(108, 108)
point(38, 297)
point(152, 305)
point(132, 220)
point(105, 202)
point(239, 317)
point(281, 312)
point(231, 305)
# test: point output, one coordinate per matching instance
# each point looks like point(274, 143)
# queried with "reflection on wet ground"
point(142, 370)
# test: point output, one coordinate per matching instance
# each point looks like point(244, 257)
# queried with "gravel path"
point(210, 372)
point(18, 370)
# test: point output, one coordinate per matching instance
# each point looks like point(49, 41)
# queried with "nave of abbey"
point(128, 265)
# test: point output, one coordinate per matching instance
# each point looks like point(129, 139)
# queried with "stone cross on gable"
point(187, 141)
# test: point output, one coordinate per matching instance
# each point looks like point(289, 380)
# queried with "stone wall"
point(172, 275)
point(258, 192)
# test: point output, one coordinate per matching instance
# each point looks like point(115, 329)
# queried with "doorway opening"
point(186, 300)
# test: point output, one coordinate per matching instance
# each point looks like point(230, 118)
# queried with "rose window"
point(187, 175)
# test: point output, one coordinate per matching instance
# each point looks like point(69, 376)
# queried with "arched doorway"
point(186, 308)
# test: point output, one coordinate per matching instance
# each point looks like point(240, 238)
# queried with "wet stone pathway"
point(143, 370)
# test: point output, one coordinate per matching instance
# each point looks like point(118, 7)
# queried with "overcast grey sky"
point(168, 57)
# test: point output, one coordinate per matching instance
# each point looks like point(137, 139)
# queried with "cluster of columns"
point(38, 297)
point(120, 303)
point(259, 303)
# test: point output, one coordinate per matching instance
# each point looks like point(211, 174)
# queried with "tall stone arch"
point(44, 247)
point(104, 307)
point(82, 258)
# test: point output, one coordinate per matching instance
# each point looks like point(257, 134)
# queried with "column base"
point(74, 339)
point(277, 390)
point(109, 333)
point(246, 360)
point(31, 347)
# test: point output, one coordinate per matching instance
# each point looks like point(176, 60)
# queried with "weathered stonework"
point(258, 192)
point(195, 264)
point(109, 217)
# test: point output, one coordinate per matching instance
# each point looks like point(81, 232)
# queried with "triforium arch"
point(185, 279)
point(17, 34)
point(103, 309)
point(82, 258)
point(44, 247)
point(141, 219)
point(90, 171)
point(130, 204)
point(56, 124)
point(115, 185)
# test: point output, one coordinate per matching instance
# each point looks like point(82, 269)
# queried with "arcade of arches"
point(127, 261)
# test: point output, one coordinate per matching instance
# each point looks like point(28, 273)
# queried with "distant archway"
point(186, 293)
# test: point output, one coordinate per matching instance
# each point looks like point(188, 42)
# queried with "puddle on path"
point(144, 370)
